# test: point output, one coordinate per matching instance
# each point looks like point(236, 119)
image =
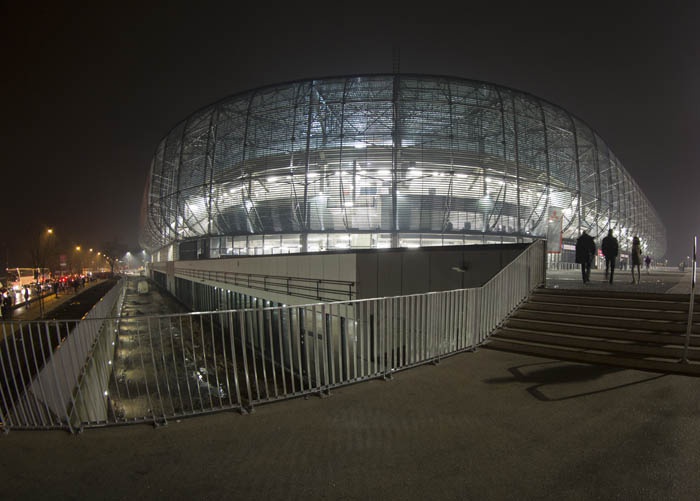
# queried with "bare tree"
point(112, 251)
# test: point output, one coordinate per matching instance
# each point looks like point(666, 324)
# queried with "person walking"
point(7, 305)
point(636, 258)
point(26, 296)
point(585, 250)
point(3, 291)
point(647, 262)
point(610, 249)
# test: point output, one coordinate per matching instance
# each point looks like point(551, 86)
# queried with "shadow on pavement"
point(551, 376)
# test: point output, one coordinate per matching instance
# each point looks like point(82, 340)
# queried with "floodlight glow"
point(388, 146)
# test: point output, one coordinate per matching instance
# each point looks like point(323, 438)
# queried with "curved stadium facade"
point(379, 161)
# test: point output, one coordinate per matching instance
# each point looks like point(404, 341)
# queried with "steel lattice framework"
point(385, 161)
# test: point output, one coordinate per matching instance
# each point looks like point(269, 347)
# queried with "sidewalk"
point(51, 302)
point(484, 425)
point(656, 281)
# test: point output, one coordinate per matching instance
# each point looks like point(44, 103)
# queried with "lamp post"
point(76, 265)
point(90, 262)
point(42, 256)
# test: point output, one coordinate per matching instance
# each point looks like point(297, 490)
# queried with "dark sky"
point(88, 92)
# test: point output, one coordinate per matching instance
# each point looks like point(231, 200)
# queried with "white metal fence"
point(45, 365)
point(162, 367)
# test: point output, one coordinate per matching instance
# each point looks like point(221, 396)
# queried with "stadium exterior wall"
point(345, 275)
point(385, 161)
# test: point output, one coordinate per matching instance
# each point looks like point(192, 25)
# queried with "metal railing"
point(691, 302)
point(310, 288)
point(563, 265)
point(44, 363)
point(173, 366)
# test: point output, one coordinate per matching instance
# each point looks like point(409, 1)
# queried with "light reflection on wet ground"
point(167, 366)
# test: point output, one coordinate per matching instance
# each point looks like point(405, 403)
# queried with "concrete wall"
point(410, 271)
point(376, 273)
point(327, 266)
point(91, 403)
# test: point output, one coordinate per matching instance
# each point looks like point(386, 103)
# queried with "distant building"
point(384, 161)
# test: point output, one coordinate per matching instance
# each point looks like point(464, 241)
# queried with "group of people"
point(8, 296)
point(609, 246)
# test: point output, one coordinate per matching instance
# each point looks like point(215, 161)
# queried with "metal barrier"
point(691, 302)
point(310, 288)
point(563, 266)
point(173, 366)
point(44, 364)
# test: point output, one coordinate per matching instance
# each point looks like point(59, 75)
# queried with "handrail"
point(312, 288)
point(689, 326)
point(59, 351)
point(154, 368)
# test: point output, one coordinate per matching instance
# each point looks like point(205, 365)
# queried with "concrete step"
point(607, 310)
point(624, 334)
point(596, 293)
point(583, 356)
point(621, 302)
point(618, 347)
point(623, 329)
point(645, 324)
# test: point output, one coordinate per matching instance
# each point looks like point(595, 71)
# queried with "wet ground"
point(156, 370)
point(153, 302)
point(179, 365)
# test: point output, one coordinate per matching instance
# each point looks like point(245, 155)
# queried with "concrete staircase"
point(623, 329)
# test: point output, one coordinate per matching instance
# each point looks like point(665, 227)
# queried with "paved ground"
point(656, 280)
point(482, 425)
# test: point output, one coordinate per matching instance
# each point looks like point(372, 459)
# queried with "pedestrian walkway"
point(485, 425)
point(656, 281)
point(50, 302)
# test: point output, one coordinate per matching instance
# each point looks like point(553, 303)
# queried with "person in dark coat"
point(7, 305)
point(636, 258)
point(610, 249)
point(585, 250)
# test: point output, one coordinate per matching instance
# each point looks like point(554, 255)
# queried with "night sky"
point(88, 92)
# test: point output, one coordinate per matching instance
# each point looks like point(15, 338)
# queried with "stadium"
point(386, 161)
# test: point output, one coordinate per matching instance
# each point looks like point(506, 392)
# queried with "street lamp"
point(76, 265)
point(42, 257)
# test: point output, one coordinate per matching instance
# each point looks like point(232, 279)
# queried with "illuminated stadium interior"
point(381, 161)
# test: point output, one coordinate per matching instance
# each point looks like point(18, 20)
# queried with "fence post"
point(691, 303)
